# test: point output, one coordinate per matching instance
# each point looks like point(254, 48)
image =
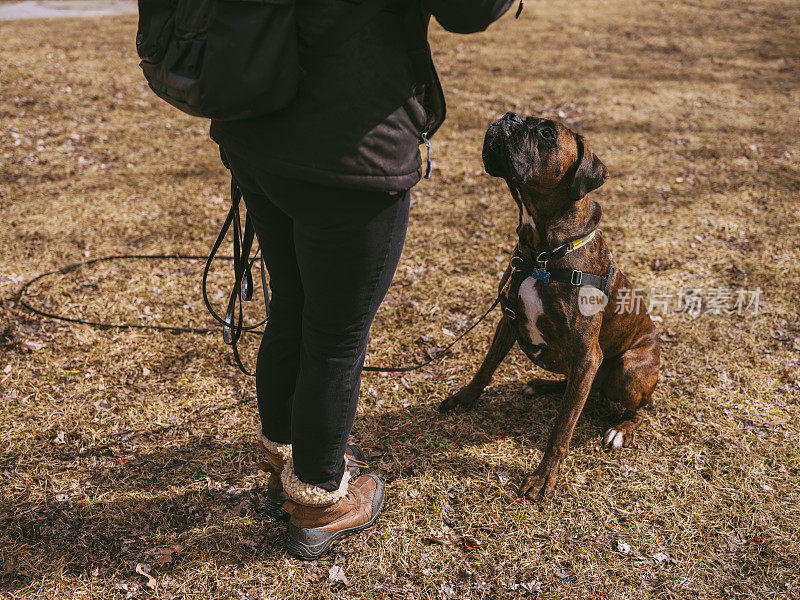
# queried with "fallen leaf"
point(164, 555)
point(541, 533)
point(560, 571)
point(142, 570)
point(661, 557)
point(531, 587)
point(438, 538)
point(667, 337)
point(314, 572)
point(336, 575)
point(789, 375)
point(102, 404)
point(470, 543)
point(623, 547)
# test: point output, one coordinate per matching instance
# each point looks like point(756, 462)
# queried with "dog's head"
point(543, 156)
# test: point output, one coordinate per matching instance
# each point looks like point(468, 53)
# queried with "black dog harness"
point(529, 262)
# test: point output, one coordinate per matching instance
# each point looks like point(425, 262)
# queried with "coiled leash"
point(231, 328)
point(233, 322)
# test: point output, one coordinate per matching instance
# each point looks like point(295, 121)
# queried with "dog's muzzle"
point(506, 150)
point(495, 152)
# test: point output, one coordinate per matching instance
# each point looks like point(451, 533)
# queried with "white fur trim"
point(282, 450)
point(311, 495)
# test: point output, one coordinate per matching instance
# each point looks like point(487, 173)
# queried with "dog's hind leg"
point(504, 338)
point(630, 380)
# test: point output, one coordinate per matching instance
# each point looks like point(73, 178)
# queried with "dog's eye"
point(547, 133)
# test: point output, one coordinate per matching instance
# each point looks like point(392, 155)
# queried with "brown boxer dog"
point(561, 275)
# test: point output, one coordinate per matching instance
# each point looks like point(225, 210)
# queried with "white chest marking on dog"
point(532, 303)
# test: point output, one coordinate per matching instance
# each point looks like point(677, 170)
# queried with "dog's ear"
point(590, 174)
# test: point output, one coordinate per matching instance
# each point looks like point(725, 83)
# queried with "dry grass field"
point(125, 452)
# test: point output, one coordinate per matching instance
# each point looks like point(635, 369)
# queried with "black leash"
point(233, 327)
point(74, 267)
point(443, 352)
point(237, 329)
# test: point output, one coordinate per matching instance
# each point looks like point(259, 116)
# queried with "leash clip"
point(519, 261)
point(428, 162)
point(542, 262)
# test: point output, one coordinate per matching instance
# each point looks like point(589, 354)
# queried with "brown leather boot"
point(313, 529)
point(277, 455)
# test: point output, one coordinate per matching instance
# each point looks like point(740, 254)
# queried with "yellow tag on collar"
point(583, 241)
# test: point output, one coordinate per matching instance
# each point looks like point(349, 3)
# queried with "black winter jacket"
point(356, 120)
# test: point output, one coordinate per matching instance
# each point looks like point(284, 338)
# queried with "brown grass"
point(126, 447)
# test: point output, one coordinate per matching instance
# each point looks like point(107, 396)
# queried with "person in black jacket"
point(326, 182)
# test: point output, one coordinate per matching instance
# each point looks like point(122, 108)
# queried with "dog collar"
point(564, 249)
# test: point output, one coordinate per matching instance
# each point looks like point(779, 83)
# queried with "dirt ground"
point(126, 461)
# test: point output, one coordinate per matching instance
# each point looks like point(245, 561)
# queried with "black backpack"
point(231, 59)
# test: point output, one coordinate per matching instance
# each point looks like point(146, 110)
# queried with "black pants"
point(331, 254)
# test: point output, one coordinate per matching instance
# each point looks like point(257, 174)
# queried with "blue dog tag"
point(541, 274)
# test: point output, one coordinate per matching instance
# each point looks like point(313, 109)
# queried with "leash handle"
point(233, 327)
point(209, 260)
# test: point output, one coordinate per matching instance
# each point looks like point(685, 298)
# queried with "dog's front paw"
point(463, 399)
point(540, 484)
